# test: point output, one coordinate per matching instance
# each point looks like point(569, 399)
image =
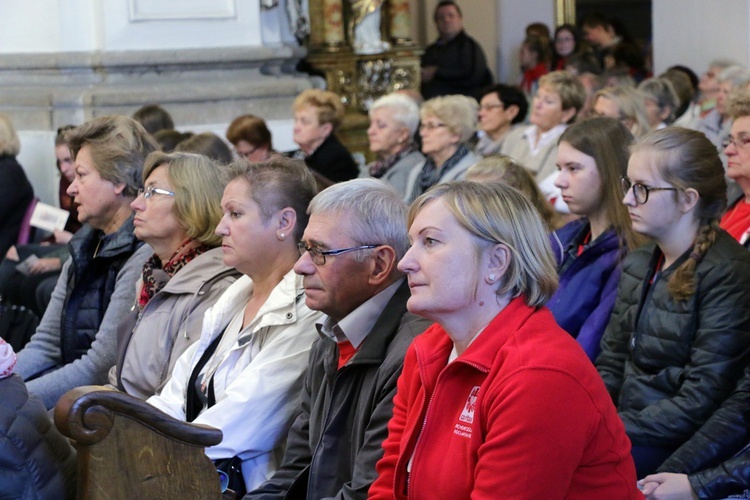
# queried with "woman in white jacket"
point(243, 374)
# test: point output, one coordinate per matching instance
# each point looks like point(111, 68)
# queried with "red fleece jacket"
point(522, 413)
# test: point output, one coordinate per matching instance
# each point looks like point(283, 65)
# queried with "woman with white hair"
point(717, 124)
point(394, 119)
point(448, 122)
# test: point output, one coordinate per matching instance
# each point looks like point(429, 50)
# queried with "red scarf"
point(155, 276)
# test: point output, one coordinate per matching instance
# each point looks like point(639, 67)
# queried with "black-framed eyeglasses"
point(318, 256)
point(640, 190)
point(151, 190)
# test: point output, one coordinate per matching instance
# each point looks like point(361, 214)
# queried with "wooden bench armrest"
point(129, 449)
point(86, 414)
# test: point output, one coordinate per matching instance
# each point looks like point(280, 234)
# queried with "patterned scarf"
point(378, 168)
point(156, 276)
point(430, 174)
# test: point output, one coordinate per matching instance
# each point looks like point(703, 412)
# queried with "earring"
point(492, 277)
point(282, 236)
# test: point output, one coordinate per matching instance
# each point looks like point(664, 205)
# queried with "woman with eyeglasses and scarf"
point(448, 123)
point(176, 214)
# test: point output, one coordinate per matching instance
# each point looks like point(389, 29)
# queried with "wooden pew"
point(128, 449)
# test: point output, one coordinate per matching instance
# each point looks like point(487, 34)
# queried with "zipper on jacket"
point(424, 422)
point(327, 420)
point(399, 462)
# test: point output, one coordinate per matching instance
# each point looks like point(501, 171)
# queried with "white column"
point(695, 32)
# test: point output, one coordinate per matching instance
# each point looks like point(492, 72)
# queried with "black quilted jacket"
point(670, 365)
point(716, 458)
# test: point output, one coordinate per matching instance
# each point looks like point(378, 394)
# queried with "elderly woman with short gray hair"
point(717, 123)
point(448, 123)
point(394, 119)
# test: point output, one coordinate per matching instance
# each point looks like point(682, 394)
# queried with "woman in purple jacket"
point(592, 157)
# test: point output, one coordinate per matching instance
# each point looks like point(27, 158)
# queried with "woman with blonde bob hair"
point(317, 115)
point(448, 123)
point(679, 335)
point(176, 214)
point(503, 381)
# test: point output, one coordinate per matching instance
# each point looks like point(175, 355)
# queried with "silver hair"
point(722, 63)
point(662, 92)
point(376, 211)
point(405, 110)
point(737, 75)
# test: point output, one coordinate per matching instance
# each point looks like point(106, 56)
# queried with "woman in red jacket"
point(495, 400)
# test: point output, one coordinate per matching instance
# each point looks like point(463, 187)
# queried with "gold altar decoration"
point(360, 78)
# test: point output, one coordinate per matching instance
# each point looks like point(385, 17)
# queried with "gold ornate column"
point(565, 12)
point(359, 79)
point(326, 25)
point(399, 22)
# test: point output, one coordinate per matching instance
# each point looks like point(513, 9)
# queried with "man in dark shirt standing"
point(455, 63)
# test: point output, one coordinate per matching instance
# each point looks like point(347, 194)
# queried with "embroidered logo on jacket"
point(467, 414)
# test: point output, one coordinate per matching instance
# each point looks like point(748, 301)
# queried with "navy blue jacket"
point(97, 260)
point(588, 283)
point(36, 461)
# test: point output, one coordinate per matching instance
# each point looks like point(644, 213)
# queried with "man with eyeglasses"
point(354, 239)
